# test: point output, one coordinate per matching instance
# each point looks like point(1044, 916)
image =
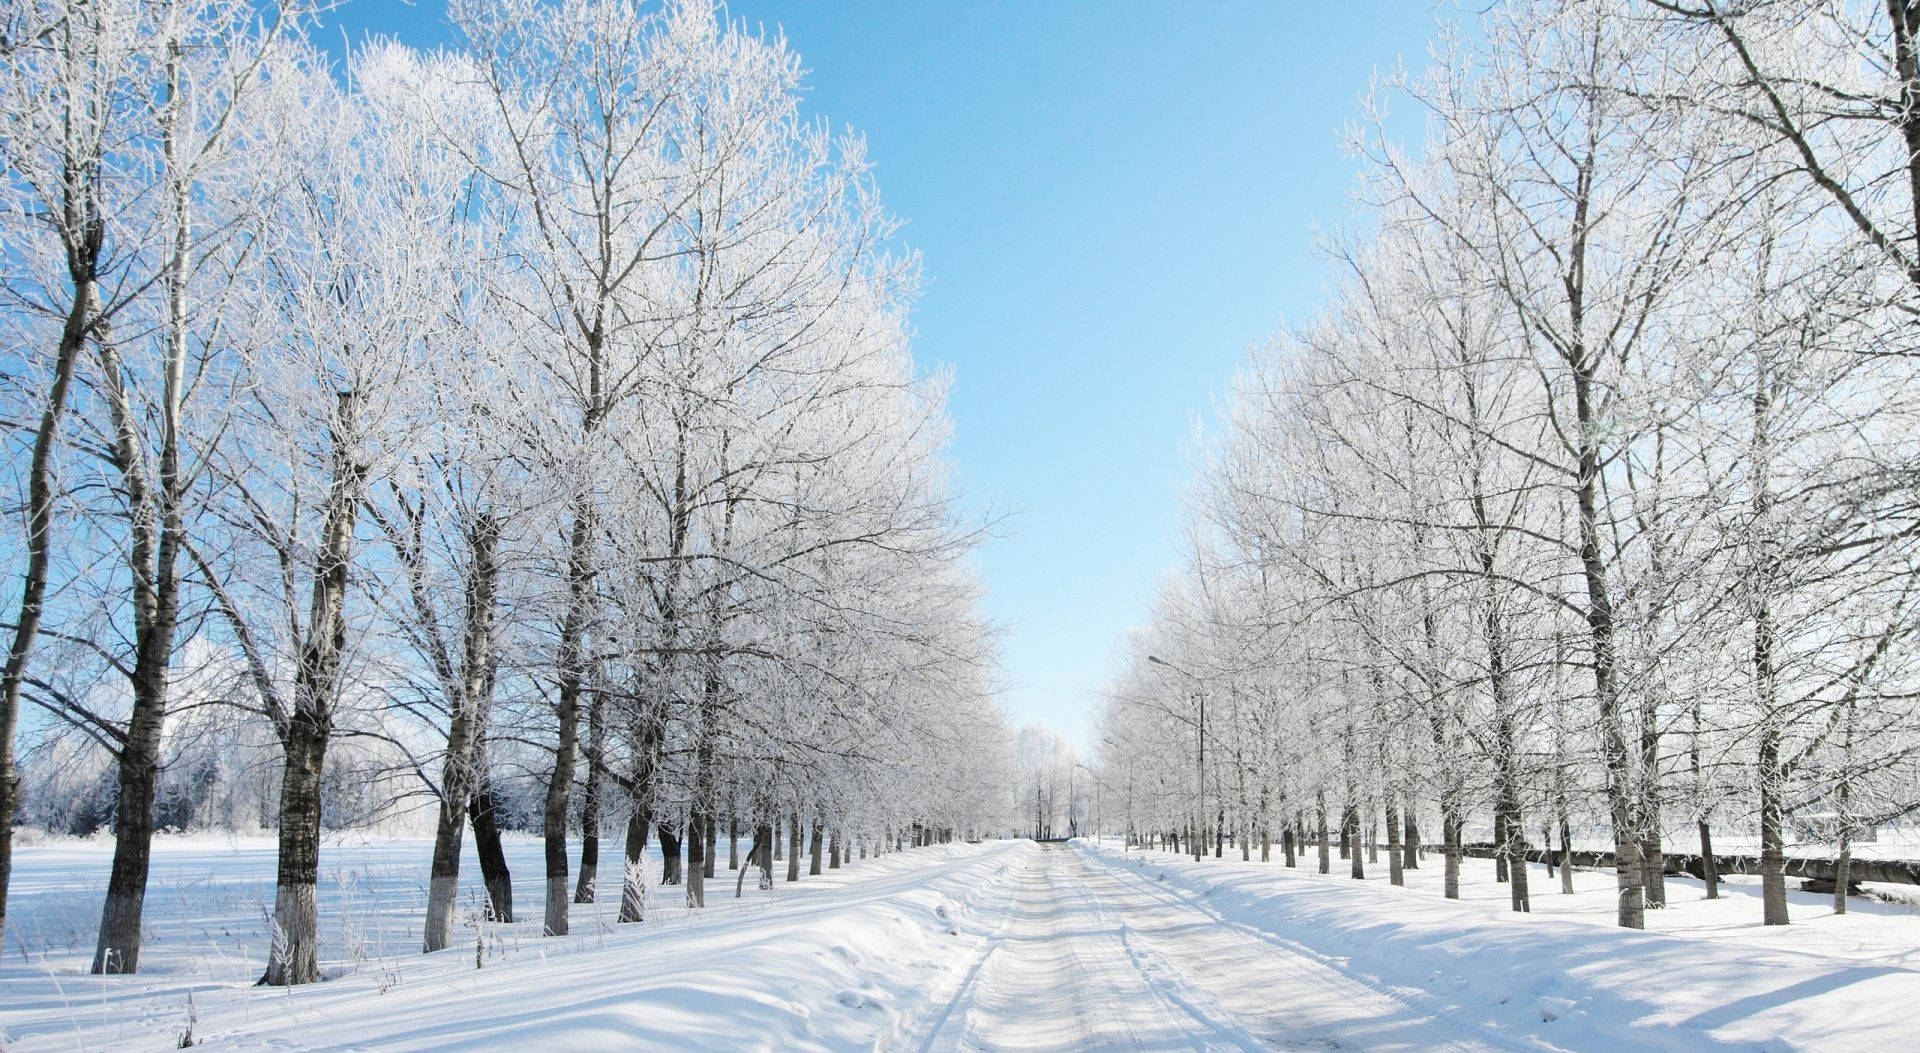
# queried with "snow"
point(1096, 957)
point(998, 946)
point(1706, 974)
point(834, 962)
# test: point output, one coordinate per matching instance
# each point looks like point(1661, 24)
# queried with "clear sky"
point(1113, 199)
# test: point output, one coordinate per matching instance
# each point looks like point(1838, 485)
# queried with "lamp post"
point(1094, 816)
point(1073, 775)
point(1200, 756)
point(1126, 842)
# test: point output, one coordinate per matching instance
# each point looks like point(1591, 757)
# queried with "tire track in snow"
point(961, 993)
point(1319, 1004)
point(1063, 975)
point(1173, 988)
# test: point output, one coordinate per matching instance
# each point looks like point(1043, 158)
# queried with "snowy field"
point(675, 979)
point(1004, 945)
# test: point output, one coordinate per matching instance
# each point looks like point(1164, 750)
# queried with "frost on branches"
point(525, 434)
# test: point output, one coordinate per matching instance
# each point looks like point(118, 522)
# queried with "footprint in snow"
point(1551, 1008)
point(852, 999)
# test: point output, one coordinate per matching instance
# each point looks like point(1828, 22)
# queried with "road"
point(1097, 957)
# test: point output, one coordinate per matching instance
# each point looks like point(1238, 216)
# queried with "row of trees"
point(1052, 791)
point(1588, 503)
point(536, 412)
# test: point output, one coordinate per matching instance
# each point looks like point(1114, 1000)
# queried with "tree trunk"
point(753, 857)
point(793, 847)
point(1653, 861)
point(697, 860)
point(816, 843)
point(482, 810)
point(1516, 849)
point(566, 710)
point(590, 801)
point(706, 789)
point(1905, 21)
point(1773, 848)
point(470, 708)
point(1266, 825)
point(553, 814)
point(39, 539)
point(733, 842)
point(765, 836)
point(293, 956)
point(1843, 868)
point(1566, 856)
point(156, 534)
point(118, 948)
point(1560, 793)
point(1630, 913)
point(1321, 799)
point(1499, 845)
point(671, 866)
point(833, 849)
point(1772, 773)
point(443, 876)
point(633, 879)
point(1510, 832)
point(1410, 840)
point(1395, 873)
point(1450, 838)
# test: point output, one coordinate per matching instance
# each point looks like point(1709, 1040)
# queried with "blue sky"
point(1112, 200)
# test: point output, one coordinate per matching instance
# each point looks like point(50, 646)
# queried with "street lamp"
point(1200, 754)
point(1073, 785)
point(1094, 818)
point(1126, 843)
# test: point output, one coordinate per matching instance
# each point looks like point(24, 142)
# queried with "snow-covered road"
point(1000, 946)
point(1095, 957)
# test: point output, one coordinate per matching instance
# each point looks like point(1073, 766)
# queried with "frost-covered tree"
point(545, 405)
point(1586, 499)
